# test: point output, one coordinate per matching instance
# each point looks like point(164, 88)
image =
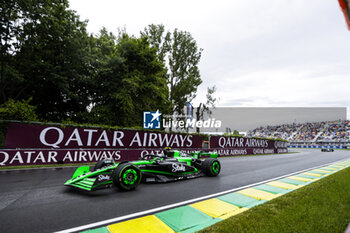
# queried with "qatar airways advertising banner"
point(20, 157)
point(51, 144)
point(230, 146)
point(40, 136)
point(42, 144)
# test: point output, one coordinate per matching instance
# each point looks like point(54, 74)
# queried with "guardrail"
point(316, 147)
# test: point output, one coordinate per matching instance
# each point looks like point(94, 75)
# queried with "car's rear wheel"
point(211, 167)
point(126, 176)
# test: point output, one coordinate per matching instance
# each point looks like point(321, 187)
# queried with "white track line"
point(146, 212)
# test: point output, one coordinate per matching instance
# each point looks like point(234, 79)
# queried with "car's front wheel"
point(211, 167)
point(126, 176)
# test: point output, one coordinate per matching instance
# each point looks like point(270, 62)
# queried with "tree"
point(181, 55)
point(205, 108)
point(9, 29)
point(51, 54)
point(133, 80)
point(102, 52)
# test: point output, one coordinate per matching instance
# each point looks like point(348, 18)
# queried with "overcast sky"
point(271, 53)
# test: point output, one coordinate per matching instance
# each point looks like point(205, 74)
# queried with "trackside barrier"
point(35, 144)
point(317, 147)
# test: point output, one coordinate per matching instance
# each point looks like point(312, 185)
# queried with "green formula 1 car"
point(171, 166)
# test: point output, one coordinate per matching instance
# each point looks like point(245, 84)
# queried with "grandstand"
point(334, 133)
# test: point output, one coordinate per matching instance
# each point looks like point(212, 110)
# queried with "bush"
point(18, 110)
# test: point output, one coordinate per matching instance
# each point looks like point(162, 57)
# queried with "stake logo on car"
point(178, 167)
point(103, 177)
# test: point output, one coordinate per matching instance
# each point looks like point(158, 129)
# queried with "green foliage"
point(181, 54)
point(131, 80)
point(235, 133)
point(18, 110)
point(46, 57)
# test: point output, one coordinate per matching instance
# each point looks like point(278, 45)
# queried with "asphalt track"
point(36, 200)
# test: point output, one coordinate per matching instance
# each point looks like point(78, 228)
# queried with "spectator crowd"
point(327, 131)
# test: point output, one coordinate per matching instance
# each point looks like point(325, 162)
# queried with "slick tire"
point(126, 177)
point(103, 163)
point(211, 167)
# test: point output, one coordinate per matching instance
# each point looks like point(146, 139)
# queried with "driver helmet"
point(166, 151)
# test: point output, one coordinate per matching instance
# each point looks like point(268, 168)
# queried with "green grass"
point(323, 206)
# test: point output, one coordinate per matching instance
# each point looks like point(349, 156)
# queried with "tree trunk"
point(198, 116)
